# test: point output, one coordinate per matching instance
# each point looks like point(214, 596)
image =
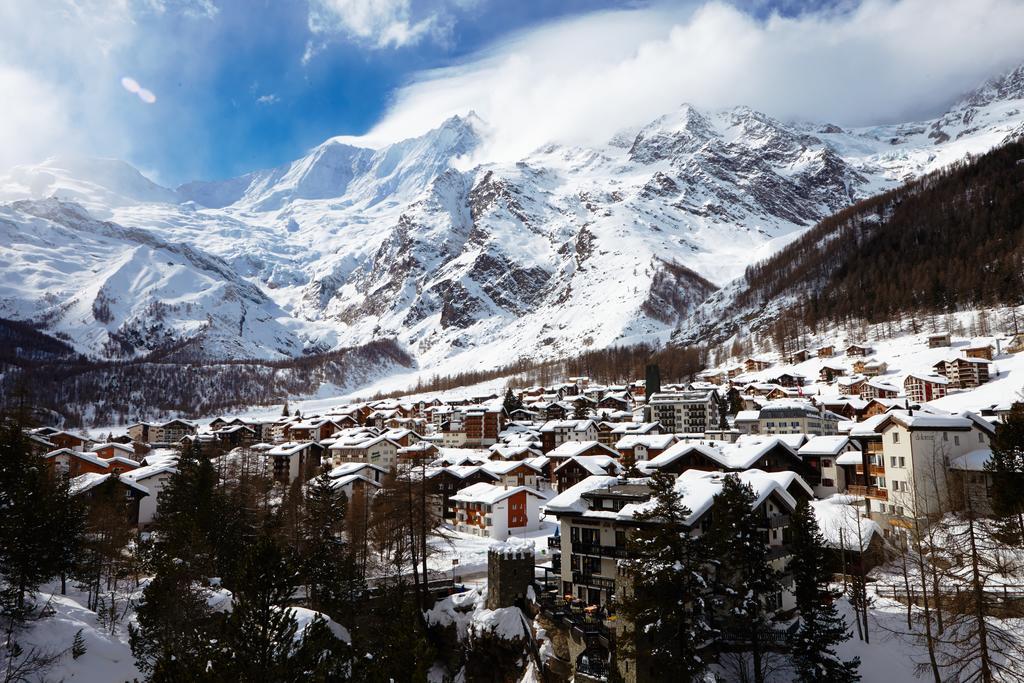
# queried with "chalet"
point(853, 385)
point(756, 364)
point(826, 351)
point(315, 429)
point(982, 350)
point(876, 388)
point(938, 340)
point(554, 433)
point(497, 512)
point(234, 436)
point(798, 356)
point(69, 440)
point(830, 372)
point(514, 451)
point(636, 447)
point(110, 450)
point(419, 452)
point(964, 373)
point(617, 401)
point(39, 445)
point(295, 459)
point(447, 481)
point(789, 379)
point(858, 349)
point(153, 478)
point(872, 368)
point(716, 377)
point(516, 473)
point(596, 521)
point(922, 387)
point(94, 487)
point(75, 463)
point(771, 454)
point(819, 454)
point(575, 469)
point(356, 477)
point(877, 406)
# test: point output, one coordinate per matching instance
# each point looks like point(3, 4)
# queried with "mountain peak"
point(1006, 86)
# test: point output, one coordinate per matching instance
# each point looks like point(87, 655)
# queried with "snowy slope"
point(566, 249)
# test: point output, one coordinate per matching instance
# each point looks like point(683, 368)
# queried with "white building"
point(497, 511)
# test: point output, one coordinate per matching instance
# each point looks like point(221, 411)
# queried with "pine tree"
point(328, 566)
point(1006, 468)
point(172, 640)
point(259, 635)
point(665, 606)
point(512, 401)
point(744, 580)
point(34, 547)
point(822, 628)
point(187, 514)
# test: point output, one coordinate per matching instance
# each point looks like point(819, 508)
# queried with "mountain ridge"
point(568, 248)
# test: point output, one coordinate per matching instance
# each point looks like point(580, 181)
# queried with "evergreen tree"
point(328, 566)
point(187, 514)
point(580, 410)
point(34, 546)
point(173, 640)
point(665, 605)
point(259, 635)
point(744, 580)
point(821, 627)
point(1006, 468)
point(512, 401)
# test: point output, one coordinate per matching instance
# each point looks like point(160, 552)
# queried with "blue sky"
point(239, 85)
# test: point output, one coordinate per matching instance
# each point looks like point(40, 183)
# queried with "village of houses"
point(836, 425)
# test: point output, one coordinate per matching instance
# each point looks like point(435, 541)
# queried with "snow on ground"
point(471, 551)
point(107, 657)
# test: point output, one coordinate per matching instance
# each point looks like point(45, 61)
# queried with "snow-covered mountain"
point(566, 249)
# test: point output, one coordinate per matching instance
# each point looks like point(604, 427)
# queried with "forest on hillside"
point(951, 240)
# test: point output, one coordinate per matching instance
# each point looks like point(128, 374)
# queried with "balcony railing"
point(598, 550)
point(776, 521)
point(873, 470)
point(869, 491)
point(586, 579)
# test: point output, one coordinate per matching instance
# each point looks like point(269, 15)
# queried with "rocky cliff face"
point(566, 249)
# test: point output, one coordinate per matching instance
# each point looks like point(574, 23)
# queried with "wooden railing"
point(869, 491)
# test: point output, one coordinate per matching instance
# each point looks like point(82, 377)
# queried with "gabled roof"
point(594, 464)
point(824, 445)
point(90, 480)
point(502, 467)
point(489, 494)
point(574, 448)
point(289, 448)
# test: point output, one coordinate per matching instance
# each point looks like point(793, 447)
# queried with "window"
point(945, 436)
point(827, 482)
point(903, 461)
point(895, 437)
point(899, 510)
point(892, 461)
point(981, 437)
point(956, 440)
point(826, 463)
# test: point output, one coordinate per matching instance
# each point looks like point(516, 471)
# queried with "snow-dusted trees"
point(1006, 469)
point(821, 626)
point(745, 584)
point(665, 602)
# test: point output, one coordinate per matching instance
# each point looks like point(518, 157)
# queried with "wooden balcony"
point(869, 491)
point(873, 470)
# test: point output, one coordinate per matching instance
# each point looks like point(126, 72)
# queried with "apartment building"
point(689, 412)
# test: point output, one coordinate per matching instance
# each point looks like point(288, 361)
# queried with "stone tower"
point(509, 573)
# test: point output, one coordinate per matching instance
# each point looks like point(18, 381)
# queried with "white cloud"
point(377, 23)
point(585, 78)
point(269, 98)
point(32, 119)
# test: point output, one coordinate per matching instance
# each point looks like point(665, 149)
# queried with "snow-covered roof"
point(594, 464)
point(348, 468)
point(289, 448)
point(974, 461)
point(850, 458)
point(143, 473)
point(571, 501)
point(571, 449)
point(824, 445)
point(656, 441)
point(838, 521)
point(90, 480)
point(501, 467)
point(747, 415)
point(489, 494)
